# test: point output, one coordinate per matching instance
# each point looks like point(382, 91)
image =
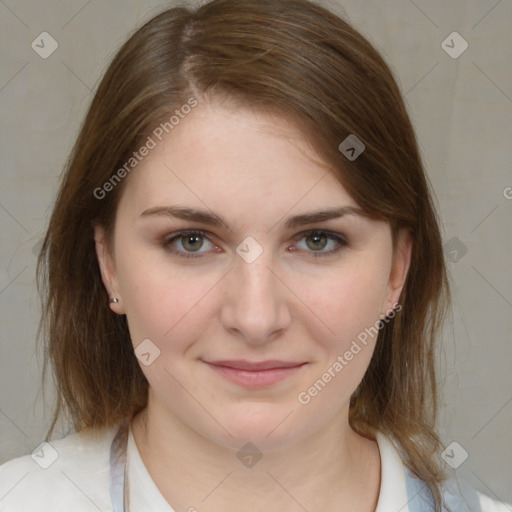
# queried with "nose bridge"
point(256, 279)
point(256, 305)
point(252, 269)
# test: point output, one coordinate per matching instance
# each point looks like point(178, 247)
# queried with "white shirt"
point(73, 474)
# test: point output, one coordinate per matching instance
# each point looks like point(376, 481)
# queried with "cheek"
point(350, 305)
point(163, 303)
point(349, 299)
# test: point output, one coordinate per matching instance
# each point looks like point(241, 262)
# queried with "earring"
point(113, 300)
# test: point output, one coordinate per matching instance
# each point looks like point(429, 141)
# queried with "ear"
point(107, 269)
point(399, 269)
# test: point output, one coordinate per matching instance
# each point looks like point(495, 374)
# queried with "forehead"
point(234, 161)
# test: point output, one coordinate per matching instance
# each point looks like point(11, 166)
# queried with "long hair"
point(291, 58)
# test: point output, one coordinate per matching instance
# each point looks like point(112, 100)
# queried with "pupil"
point(316, 238)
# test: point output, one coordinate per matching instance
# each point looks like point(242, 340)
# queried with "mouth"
point(255, 374)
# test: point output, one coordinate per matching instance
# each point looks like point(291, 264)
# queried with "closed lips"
point(256, 366)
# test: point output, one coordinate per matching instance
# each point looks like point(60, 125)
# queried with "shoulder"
point(67, 474)
point(458, 495)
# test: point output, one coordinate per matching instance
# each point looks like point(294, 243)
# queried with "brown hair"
point(295, 59)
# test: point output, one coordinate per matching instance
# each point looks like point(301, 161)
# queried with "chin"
point(264, 425)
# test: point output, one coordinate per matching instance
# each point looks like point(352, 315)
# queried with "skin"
point(255, 171)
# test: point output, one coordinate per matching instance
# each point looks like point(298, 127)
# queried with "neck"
point(334, 465)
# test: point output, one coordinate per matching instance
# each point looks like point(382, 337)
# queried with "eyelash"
point(167, 243)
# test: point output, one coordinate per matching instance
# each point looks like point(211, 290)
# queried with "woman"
point(243, 280)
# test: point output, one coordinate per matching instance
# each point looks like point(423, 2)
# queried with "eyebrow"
point(212, 219)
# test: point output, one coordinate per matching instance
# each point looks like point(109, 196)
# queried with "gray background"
point(461, 108)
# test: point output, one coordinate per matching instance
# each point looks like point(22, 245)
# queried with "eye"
point(193, 240)
point(189, 240)
point(317, 240)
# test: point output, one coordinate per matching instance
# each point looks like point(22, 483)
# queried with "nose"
point(255, 307)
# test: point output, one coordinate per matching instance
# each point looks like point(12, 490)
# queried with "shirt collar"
point(144, 494)
point(393, 489)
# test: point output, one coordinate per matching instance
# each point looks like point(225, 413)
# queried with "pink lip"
point(255, 374)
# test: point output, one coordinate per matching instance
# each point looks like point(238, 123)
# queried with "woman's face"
point(260, 286)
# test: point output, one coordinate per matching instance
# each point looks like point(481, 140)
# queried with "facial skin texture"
point(255, 171)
